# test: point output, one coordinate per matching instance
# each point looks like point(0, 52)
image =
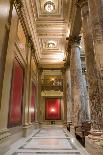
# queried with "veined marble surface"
point(49, 140)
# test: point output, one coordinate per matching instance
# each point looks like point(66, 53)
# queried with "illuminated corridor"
point(51, 77)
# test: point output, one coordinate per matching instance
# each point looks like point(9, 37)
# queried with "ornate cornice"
point(19, 9)
point(20, 12)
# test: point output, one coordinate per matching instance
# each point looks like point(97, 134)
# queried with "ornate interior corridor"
point(51, 77)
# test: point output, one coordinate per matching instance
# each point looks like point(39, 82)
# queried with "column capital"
point(12, 1)
point(72, 40)
point(18, 3)
point(67, 65)
point(29, 41)
point(82, 3)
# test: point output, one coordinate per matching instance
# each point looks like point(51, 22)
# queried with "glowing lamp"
point(52, 110)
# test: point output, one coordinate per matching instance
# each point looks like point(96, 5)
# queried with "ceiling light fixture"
point(51, 44)
point(49, 6)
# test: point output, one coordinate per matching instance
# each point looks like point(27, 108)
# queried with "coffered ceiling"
point(48, 23)
point(52, 30)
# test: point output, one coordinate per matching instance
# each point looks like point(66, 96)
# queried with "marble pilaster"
point(27, 85)
point(6, 69)
point(5, 22)
point(27, 90)
point(39, 114)
point(30, 85)
point(79, 103)
point(94, 93)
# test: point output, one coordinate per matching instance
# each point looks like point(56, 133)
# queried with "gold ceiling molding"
point(20, 12)
point(60, 35)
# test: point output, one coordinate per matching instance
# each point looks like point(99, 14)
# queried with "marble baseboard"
point(93, 148)
point(4, 134)
point(8, 140)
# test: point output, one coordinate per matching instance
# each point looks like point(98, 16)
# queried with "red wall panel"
point(15, 111)
point(33, 99)
point(53, 109)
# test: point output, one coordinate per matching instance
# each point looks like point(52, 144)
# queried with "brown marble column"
point(96, 17)
point(93, 84)
point(68, 94)
point(79, 103)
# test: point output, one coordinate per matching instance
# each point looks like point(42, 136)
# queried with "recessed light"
point(51, 44)
point(49, 6)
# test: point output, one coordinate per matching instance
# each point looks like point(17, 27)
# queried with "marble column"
point(79, 101)
point(93, 84)
point(68, 95)
point(96, 17)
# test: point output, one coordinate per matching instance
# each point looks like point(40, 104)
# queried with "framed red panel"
point(33, 101)
point(16, 95)
point(53, 109)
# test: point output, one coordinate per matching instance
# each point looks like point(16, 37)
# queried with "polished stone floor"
point(48, 141)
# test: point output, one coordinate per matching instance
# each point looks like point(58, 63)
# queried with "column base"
point(4, 133)
point(27, 130)
point(94, 143)
point(36, 125)
point(72, 130)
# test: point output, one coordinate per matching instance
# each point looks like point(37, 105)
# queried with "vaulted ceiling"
point(48, 23)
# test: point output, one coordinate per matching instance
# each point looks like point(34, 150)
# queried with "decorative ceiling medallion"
point(49, 6)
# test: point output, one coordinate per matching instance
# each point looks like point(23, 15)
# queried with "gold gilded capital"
point(74, 39)
point(12, 1)
point(82, 3)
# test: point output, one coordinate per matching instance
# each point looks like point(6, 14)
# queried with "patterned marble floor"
point(48, 141)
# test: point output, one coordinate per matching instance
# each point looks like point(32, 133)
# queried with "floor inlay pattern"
point(50, 141)
point(43, 153)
